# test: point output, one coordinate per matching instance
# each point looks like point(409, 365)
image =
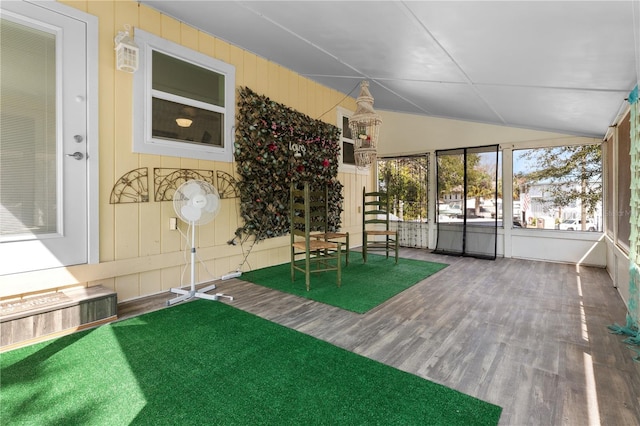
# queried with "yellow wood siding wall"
point(139, 254)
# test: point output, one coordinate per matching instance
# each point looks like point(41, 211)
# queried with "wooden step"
point(41, 317)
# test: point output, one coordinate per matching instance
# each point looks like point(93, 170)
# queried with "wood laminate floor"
point(528, 336)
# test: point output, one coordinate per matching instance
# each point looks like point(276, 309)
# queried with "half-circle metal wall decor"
point(168, 180)
point(132, 187)
point(227, 186)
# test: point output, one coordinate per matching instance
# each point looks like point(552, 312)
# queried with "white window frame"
point(143, 141)
point(347, 168)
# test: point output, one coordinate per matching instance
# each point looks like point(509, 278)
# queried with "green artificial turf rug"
point(364, 285)
point(207, 363)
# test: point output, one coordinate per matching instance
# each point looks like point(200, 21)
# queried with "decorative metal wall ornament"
point(365, 128)
point(168, 180)
point(227, 185)
point(132, 187)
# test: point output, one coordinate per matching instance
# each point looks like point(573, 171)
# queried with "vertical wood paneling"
point(206, 44)
point(150, 229)
point(222, 50)
point(262, 76)
point(126, 224)
point(272, 82)
point(151, 218)
point(127, 287)
point(170, 240)
point(150, 282)
point(294, 90)
point(250, 69)
point(169, 29)
point(189, 37)
point(170, 277)
point(126, 231)
point(283, 86)
point(106, 145)
point(303, 100)
point(149, 20)
point(236, 58)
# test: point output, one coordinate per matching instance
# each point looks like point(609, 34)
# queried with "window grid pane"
point(172, 75)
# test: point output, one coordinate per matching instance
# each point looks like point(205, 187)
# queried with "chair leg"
point(387, 246)
point(347, 247)
point(307, 270)
point(339, 272)
point(293, 259)
point(364, 247)
point(397, 248)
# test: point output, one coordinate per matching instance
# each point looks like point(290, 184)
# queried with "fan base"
point(189, 294)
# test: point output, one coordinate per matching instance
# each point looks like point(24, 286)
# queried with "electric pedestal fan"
point(196, 202)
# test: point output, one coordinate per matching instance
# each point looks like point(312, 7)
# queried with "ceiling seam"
point(469, 81)
point(361, 74)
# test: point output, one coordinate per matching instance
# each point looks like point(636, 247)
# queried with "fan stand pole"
point(192, 292)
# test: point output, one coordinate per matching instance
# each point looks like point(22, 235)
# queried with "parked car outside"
point(576, 225)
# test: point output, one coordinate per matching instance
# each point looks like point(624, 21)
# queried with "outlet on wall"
point(173, 223)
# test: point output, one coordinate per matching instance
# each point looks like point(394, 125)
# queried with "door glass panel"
point(451, 205)
point(469, 201)
point(28, 164)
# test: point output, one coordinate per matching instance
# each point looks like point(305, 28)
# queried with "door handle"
point(77, 155)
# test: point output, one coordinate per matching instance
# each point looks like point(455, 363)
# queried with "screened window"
point(184, 102)
point(406, 180)
point(558, 188)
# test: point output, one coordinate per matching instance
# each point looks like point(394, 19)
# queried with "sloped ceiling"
point(557, 66)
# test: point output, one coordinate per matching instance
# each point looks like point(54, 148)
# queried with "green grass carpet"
point(364, 286)
point(207, 363)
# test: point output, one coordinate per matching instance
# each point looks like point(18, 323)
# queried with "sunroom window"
point(558, 188)
point(184, 102)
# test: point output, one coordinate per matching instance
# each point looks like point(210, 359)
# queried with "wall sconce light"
point(365, 128)
point(127, 52)
point(184, 122)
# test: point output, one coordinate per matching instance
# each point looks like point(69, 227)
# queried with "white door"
point(43, 131)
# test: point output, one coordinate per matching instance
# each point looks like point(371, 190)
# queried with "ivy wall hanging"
point(276, 146)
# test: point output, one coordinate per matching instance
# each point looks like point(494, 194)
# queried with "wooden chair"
point(308, 214)
point(375, 224)
point(333, 236)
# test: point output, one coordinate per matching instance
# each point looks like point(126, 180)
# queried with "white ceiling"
point(548, 65)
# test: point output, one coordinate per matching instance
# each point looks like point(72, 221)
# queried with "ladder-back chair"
point(309, 210)
point(376, 234)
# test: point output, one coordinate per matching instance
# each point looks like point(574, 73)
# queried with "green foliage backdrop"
point(268, 135)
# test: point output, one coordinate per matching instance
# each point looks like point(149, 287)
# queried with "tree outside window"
point(406, 180)
point(558, 188)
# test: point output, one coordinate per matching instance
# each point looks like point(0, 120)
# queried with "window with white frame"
point(558, 188)
point(348, 160)
point(184, 102)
